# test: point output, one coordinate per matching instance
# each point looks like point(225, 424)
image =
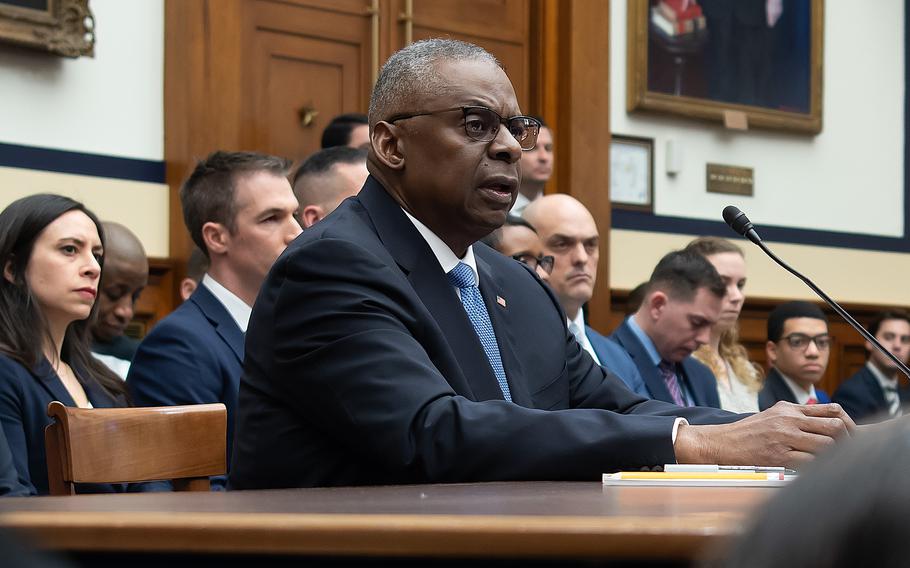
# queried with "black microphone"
point(741, 224)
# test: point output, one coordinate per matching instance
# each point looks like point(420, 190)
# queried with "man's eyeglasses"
point(800, 341)
point(482, 124)
point(545, 262)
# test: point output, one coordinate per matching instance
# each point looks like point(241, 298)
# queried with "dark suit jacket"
point(776, 389)
point(24, 396)
point(615, 359)
point(863, 399)
point(193, 356)
point(698, 378)
point(362, 367)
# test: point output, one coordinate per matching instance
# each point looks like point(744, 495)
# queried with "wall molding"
point(80, 163)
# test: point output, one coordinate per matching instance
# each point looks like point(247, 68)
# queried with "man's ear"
point(388, 145)
point(216, 237)
point(311, 214)
point(656, 302)
point(771, 352)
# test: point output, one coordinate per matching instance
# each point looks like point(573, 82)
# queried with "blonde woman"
point(738, 379)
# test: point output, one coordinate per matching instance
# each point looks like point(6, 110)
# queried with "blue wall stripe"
point(63, 161)
point(640, 221)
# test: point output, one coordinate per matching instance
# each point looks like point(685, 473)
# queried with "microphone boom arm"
point(834, 305)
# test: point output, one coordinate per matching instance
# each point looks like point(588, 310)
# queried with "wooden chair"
point(185, 444)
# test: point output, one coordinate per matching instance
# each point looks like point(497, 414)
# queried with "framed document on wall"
point(63, 27)
point(632, 172)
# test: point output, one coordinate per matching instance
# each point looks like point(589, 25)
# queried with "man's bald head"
point(124, 275)
point(570, 235)
point(122, 245)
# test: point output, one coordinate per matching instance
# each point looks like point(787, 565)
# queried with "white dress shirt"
point(577, 327)
point(889, 389)
point(802, 395)
point(442, 252)
point(240, 312)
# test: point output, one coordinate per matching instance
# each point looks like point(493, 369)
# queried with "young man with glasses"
point(874, 393)
point(798, 348)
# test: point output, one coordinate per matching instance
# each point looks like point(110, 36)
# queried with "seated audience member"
point(536, 169)
point(126, 272)
point(327, 178)
point(873, 393)
point(239, 209)
point(51, 250)
point(568, 233)
point(798, 348)
point(196, 267)
point(738, 379)
point(518, 239)
point(635, 298)
point(682, 302)
point(385, 348)
point(847, 509)
point(351, 129)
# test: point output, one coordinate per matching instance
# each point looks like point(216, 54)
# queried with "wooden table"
point(540, 520)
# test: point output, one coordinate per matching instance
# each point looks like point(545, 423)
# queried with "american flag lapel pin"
point(501, 301)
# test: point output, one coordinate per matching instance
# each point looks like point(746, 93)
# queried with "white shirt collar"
point(585, 342)
point(442, 252)
point(802, 397)
point(240, 312)
point(884, 381)
point(521, 202)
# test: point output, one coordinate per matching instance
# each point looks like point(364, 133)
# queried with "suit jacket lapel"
point(49, 380)
point(875, 389)
point(221, 320)
point(780, 389)
point(649, 372)
point(491, 288)
point(471, 373)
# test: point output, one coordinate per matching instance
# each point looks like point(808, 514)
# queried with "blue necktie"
point(462, 277)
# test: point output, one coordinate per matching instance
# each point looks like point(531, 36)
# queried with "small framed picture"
point(632, 172)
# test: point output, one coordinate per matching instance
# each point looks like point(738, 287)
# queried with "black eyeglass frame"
point(809, 339)
point(533, 124)
point(542, 261)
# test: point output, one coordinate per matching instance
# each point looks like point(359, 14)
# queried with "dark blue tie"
point(462, 277)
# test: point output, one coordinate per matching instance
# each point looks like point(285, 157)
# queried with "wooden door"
point(307, 62)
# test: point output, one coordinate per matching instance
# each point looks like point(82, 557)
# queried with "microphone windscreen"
point(737, 219)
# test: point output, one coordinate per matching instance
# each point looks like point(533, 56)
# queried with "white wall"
point(848, 178)
point(112, 104)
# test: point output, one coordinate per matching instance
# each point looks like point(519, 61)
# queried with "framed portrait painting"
point(62, 27)
point(755, 62)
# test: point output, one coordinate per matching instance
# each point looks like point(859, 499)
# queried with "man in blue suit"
point(569, 234)
point(240, 210)
point(874, 392)
point(798, 348)
point(682, 302)
point(384, 347)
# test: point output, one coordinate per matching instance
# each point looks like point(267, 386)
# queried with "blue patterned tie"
point(462, 277)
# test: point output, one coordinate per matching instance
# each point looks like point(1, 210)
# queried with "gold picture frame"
point(62, 27)
point(699, 45)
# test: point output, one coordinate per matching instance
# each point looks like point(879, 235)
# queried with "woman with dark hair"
point(51, 250)
point(738, 378)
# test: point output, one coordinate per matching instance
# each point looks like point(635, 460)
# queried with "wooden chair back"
point(184, 444)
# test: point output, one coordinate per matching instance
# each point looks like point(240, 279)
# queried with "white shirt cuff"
point(676, 428)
